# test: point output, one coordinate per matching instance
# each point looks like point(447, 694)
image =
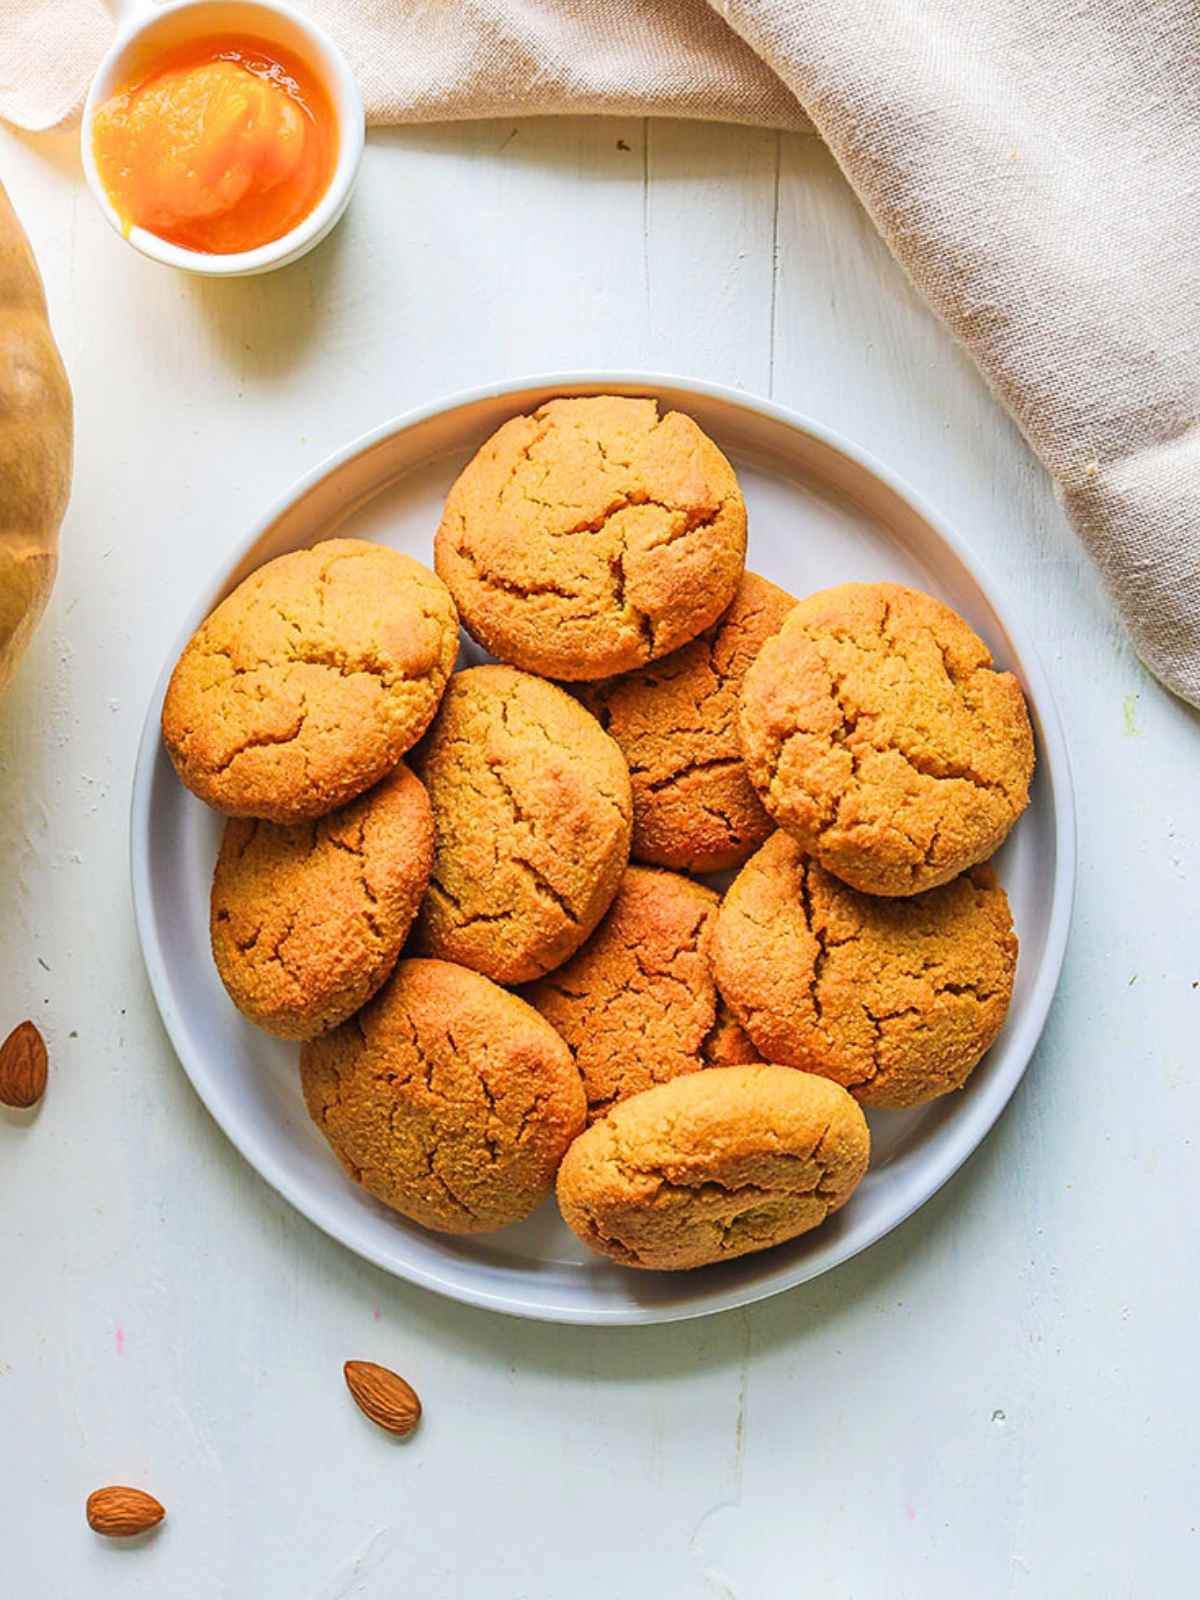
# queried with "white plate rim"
point(977, 1117)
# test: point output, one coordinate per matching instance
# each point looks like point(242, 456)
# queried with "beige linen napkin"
point(1035, 167)
point(437, 60)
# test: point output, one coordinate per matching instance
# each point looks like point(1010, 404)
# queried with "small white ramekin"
point(145, 31)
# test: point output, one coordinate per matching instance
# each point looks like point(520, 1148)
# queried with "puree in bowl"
point(221, 145)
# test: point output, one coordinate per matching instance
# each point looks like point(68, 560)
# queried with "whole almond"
point(383, 1396)
point(23, 1067)
point(121, 1513)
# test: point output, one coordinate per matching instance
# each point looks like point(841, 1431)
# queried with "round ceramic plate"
point(821, 512)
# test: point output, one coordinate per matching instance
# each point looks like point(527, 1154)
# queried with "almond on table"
point(383, 1396)
point(24, 1067)
point(118, 1512)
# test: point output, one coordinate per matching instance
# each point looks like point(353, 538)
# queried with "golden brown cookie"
point(878, 733)
point(637, 1004)
point(310, 681)
point(308, 921)
point(592, 536)
point(713, 1166)
point(532, 812)
point(895, 999)
point(676, 720)
point(448, 1099)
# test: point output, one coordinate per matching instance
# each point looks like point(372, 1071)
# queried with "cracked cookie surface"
point(895, 999)
point(637, 1003)
point(694, 807)
point(448, 1099)
point(310, 681)
point(308, 920)
point(592, 536)
point(532, 816)
point(713, 1166)
point(728, 1044)
point(878, 733)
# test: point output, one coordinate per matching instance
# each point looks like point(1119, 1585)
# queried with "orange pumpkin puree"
point(221, 145)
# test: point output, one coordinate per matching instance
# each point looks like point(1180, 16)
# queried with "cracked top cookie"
point(448, 1099)
point(896, 999)
point(307, 921)
point(694, 808)
point(637, 1004)
point(714, 1166)
point(878, 733)
point(310, 681)
point(532, 813)
point(592, 536)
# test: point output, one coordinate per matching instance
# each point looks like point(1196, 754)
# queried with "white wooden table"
point(994, 1401)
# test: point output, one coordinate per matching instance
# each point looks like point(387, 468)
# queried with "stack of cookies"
point(426, 878)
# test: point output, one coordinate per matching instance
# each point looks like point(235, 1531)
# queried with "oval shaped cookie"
point(896, 999)
point(592, 536)
point(310, 681)
point(532, 811)
point(448, 1099)
point(308, 921)
point(676, 721)
point(714, 1166)
point(878, 733)
point(637, 1003)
